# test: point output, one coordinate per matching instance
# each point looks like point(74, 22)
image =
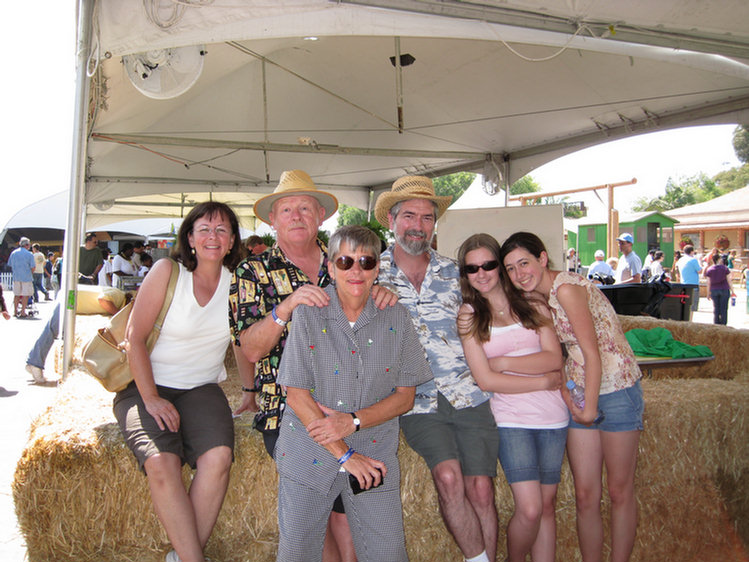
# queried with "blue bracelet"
point(346, 456)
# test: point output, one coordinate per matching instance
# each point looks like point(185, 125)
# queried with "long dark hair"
point(480, 324)
point(182, 251)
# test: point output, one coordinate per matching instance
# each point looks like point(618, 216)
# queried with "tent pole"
point(76, 200)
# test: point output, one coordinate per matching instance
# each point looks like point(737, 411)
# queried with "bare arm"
point(574, 301)
point(492, 380)
point(145, 310)
point(337, 425)
point(258, 339)
point(368, 471)
point(247, 376)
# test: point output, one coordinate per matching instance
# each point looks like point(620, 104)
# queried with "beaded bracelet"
point(346, 456)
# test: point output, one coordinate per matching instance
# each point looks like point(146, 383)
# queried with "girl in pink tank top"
point(513, 352)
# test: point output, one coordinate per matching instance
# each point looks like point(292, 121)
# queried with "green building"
point(650, 230)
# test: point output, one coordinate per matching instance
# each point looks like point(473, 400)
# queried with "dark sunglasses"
point(367, 263)
point(486, 266)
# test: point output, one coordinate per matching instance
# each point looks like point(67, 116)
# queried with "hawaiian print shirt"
point(434, 311)
point(259, 283)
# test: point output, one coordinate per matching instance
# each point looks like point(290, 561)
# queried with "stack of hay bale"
point(79, 495)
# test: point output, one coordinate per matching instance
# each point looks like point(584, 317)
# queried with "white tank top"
point(191, 348)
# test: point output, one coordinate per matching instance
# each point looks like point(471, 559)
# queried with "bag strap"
point(173, 276)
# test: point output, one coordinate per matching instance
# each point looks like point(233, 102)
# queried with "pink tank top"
point(543, 409)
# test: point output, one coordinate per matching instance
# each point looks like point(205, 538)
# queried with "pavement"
point(22, 401)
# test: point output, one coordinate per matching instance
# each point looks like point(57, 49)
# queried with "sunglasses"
point(486, 266)
point(345, 263)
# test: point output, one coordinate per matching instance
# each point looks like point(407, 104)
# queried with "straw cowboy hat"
point(295, 182)
point(405, 188)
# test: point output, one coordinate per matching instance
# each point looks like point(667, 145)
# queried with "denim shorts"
point(532, 454)
point(623, 410)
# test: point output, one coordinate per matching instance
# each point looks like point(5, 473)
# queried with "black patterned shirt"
point(258, 284)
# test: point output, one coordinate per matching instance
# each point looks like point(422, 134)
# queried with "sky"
point(38, 103)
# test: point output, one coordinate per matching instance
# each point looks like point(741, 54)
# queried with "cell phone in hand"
point(356, 487)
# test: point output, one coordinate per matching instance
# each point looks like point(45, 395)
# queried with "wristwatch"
point(278, 320)
point(357, 421)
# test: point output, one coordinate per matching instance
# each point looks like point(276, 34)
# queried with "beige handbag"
point(104, 355)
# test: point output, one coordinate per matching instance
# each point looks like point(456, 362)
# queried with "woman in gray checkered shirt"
point(349, 370)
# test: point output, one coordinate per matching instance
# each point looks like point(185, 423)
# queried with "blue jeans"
point(39, 286)
point(720, 305)
point(38, 354)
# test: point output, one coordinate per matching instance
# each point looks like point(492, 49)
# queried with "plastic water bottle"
point(733, 300)
point(577, 393)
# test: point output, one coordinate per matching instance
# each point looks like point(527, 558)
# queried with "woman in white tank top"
point(174, 412)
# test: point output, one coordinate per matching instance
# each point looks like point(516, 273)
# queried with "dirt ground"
point(22, 401)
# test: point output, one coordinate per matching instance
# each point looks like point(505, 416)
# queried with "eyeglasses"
point(367, 263)
point(486, 266)
point(205, 231)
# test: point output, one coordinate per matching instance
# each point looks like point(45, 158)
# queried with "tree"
point(677, 195)
point(526, 184)
point(453, 185)
point(353, 215)
point(741, 143)
point(735, 178)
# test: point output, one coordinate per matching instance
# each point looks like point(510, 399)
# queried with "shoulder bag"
point(104, 355)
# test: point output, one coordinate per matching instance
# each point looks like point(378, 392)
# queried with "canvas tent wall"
point(496, 87)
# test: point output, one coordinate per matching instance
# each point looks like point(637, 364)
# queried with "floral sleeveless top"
point(618, 365)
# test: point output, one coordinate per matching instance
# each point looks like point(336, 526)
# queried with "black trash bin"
point(632, 299)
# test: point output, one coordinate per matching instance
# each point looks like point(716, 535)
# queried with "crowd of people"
point(341, 346)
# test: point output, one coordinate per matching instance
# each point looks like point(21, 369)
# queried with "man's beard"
point(414, 247)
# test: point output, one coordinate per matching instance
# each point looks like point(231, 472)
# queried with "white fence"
point(6, 278)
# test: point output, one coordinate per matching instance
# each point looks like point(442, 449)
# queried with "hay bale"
point(79, 495)
point(727, 344)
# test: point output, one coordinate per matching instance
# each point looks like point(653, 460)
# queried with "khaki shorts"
point(23, 288)
point(205, 423)
point(468, 435)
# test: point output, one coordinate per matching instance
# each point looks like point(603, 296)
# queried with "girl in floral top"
point(600, 359)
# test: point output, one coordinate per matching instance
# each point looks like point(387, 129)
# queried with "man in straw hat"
point(265, 290)
point(450, 425)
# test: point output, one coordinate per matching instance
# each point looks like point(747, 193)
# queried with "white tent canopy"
point(495, 86)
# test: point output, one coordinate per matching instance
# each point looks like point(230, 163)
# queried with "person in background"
point(599, 266)
point(451, 425)
point(656, 266)
point(731, 258)
point(719, 290)
point(57, 275)
point(38, 275)
point(105, 273)
point(689, 273)
point(174, 412)
point(349, 404)
point(3, 307)
point(147, 262)
point(573, 263)
point(649, 258)
point(255, 245)
point(503, 337)
point(675, 277)
point(613, 262)
point(21, 262)
point(138, 250)
point(629, 268)
point(123, 265)
point(90, 300)
point(90, 261)
point(600, 360)
point(49, 267)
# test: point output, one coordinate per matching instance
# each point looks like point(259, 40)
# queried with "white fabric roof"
point(472, 100)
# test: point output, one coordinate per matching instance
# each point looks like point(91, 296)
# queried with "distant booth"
point(650, 230)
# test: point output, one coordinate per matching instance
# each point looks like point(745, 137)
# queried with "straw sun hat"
point(295, 182)
point(405, 188)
